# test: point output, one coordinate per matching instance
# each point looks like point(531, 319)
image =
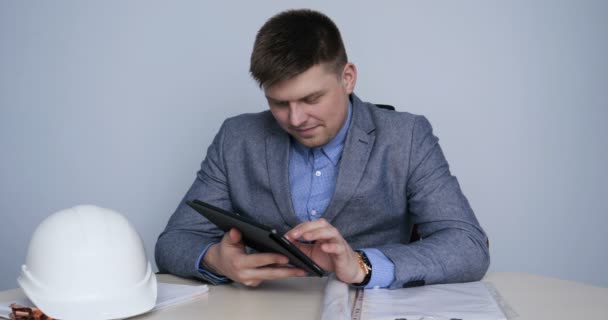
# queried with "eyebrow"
point(308, 96)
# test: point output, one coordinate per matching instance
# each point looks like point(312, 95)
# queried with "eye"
point(313, 100)
point(279, 103)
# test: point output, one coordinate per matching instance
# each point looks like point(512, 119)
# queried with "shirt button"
point(313, 212)
point(318, 173)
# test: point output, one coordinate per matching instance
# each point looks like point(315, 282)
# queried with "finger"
point(327, 233)
point(334, 248)
point(300, 229)
point(296, 232)
point(272, 273)
point(255, 276)
point(252, 283)
point(257, 260)
point(234, 236)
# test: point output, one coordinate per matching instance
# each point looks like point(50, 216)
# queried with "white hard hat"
point(88, 262)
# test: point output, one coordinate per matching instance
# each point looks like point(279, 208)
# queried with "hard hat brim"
point(129, 302)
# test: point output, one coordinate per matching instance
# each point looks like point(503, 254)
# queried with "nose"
point(297, 116)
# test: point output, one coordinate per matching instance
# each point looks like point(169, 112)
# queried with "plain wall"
point(114, 103)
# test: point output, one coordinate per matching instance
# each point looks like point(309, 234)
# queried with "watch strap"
point(366, 266)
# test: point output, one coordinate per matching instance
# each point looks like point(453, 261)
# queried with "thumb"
point(234, 236)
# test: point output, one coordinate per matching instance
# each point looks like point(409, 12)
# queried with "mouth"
point(304, 132)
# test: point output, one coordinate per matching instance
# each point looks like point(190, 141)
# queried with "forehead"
point(316, 79)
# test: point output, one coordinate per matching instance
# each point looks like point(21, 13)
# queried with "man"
point(348, 178)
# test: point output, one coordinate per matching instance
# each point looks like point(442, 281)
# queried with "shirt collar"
point(333, 149)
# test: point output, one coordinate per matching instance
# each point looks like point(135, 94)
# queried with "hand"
point(230, 259)
point(330, 251)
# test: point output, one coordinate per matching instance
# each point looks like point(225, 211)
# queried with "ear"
point(349, 77)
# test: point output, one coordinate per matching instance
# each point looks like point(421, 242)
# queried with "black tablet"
point(256, 235)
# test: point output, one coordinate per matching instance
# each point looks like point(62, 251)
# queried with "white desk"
point(531, 296)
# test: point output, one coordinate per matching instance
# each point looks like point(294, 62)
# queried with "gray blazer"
point(392, 175)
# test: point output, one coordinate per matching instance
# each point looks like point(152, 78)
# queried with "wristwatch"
point(366, 266)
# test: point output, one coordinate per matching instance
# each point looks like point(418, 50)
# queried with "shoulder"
point(383, 122)
point(249, 124)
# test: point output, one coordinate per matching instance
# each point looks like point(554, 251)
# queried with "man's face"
point(313, 105)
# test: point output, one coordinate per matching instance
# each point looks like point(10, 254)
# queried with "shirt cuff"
point(205, 271)
point(383, 269)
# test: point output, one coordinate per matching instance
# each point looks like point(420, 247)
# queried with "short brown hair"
point(291, 42)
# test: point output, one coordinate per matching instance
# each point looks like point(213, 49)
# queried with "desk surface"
point(531, 296)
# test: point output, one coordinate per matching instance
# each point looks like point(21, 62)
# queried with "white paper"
point(168, 295)
point(335, 300)
point(467, 301)
point(172, 294)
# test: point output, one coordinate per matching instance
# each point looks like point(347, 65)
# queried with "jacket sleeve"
point(453, 246)
point(188, 233)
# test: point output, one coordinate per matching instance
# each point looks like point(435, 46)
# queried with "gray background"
point(114, 103)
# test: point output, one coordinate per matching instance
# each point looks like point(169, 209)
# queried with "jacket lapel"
point(359, 143)
point(277, 162)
